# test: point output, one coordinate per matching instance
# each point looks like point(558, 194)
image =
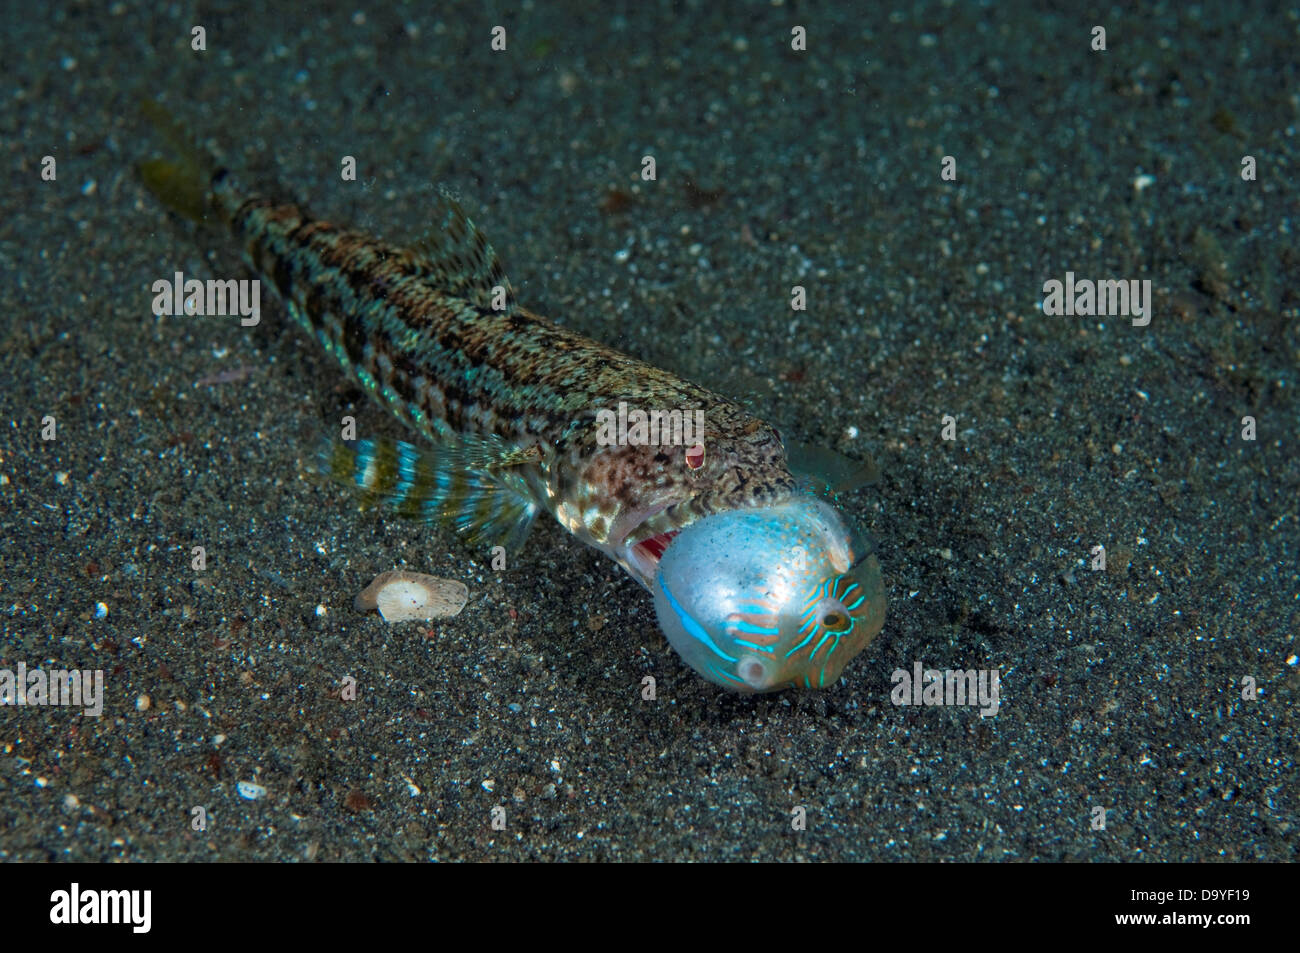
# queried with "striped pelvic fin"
point(455, 256)
point(487, 504)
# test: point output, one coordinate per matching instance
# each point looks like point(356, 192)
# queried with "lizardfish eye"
point(763, 599)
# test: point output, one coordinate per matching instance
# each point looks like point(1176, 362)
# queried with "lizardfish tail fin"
point(184, 181)
point(481, 494)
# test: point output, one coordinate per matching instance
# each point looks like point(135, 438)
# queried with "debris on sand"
point(400, 596)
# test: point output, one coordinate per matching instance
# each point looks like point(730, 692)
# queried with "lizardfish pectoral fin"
point(477, 486)
point(457, 258)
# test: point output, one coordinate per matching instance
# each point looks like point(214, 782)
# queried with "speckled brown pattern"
point(445, 363)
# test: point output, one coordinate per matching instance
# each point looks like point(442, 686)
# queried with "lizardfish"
point(757, 581)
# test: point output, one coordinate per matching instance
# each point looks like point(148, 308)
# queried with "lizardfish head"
point(762, 599)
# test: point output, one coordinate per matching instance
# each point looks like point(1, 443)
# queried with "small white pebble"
point(71, 802)
point(400, 596)
point(101, 610)
point(851, 432)
point(1143, 181)
point(143, 702)
point(250, 791)
point(322, 611)
point(61, 478)
point(489, 785)
point(217, 740)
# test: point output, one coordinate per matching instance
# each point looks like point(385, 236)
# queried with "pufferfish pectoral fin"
point(824, 472)
point(474, 485)
point(456, 257)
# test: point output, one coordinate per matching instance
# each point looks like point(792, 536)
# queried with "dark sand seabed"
point(1120, 689)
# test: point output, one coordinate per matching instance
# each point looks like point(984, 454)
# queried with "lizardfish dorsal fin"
point(475, 485)
point(824, 472)
point(456, 256)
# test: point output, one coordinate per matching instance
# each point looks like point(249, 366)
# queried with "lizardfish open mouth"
point(641, 547)
point(765, 598)
point(646, 554)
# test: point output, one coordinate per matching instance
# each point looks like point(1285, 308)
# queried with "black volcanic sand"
point(1120, 689)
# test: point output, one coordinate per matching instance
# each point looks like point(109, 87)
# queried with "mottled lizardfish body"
point(757, 582)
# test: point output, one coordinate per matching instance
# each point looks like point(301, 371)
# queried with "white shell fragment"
point(250, 791)
point(401, 595)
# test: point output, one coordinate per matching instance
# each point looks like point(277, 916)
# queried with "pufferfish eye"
point(832, 603)
point(835, 621)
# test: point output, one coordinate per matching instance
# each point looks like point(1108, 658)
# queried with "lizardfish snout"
point(758, 600)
